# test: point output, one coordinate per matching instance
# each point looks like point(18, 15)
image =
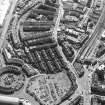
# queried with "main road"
point(59, 17)
point(6, 24)
point(5, 28)
point(85, 48)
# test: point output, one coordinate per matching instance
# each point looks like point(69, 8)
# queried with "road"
point(89, 43)
point(82, 83)
point(8, 19)
point(5, 28)
point(60, 15)
point(85, 82)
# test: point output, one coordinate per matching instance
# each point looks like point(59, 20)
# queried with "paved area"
point(84, 82)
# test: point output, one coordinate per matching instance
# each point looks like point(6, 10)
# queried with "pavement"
point(4, 31)
point(92, 39)
point(60, 15)
point(83, 83)
point(6, 24)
